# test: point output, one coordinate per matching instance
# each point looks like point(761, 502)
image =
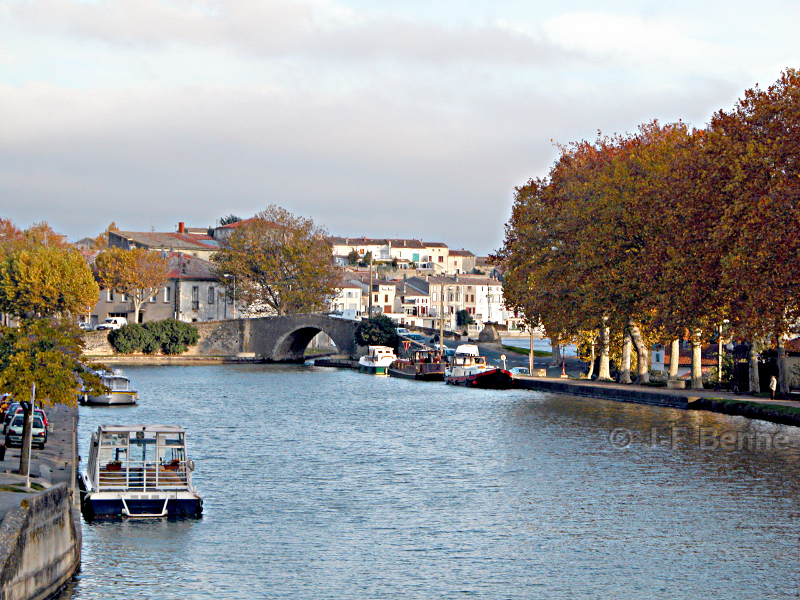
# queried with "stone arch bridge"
point(275, 339)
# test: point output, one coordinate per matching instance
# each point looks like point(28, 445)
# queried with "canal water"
point(330, 484)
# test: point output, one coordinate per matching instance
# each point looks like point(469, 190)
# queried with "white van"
point(111, 323)
point(351, 314)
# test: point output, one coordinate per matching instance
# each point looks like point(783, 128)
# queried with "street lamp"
point(226, 276)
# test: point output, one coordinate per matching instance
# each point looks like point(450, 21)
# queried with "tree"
point(463, 318)
point(377, 331)
point(229, 219)
point(101, 241)
point(352, 257)
point(49, 354)
point(280, 260)
point(42, 233)
point(39, 281)
point(137, 273)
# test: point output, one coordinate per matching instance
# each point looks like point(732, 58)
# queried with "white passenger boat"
point(379, 359)
point(139, 471)
point(120, 390)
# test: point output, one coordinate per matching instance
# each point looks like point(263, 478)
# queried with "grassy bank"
point(526, 352)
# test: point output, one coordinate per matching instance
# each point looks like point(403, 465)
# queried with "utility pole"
point(369, 314)
point(441, 320)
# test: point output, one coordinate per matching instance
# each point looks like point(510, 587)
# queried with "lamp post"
point(226, 276)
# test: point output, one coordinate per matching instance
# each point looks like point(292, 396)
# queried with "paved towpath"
point(49, 466)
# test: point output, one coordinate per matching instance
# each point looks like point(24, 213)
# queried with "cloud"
point(276, 28)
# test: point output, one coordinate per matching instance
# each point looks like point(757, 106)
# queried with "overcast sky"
point(383, 118)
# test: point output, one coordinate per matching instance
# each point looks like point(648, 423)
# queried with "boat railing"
point(143, 476)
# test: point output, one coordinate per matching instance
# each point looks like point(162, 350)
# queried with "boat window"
point(143, 448)
point(113, 454)
point(115, 439)
point(170, 439)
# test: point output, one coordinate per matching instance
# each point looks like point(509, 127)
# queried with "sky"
point(377, 118)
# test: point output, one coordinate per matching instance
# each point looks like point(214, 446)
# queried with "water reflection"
point(331, 484)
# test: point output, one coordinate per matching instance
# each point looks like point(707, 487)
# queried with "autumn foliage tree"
point(137, 273)
point(43, 287)
point(278, 260)
point(663, 233)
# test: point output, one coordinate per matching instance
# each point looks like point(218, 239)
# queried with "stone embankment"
point(40, 533)
point(786, 412)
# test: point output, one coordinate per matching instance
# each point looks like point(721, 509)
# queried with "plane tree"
point(138, 273)
point(44, 287)
point(278, 260)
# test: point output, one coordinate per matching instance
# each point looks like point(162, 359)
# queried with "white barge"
point(139, 471)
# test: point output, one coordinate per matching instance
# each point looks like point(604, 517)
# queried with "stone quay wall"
point(217, 338)
point(40, 546)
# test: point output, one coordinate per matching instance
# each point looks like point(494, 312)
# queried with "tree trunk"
point(754, 381)
point(137, 305)
point(783, 373)
point(674, 358)
point(556, 352)
point(625, 366)
point(604, 370)
point(590, 373)
point(697, 367)
point(27, 432)
point(642, 354)
point(530, 354)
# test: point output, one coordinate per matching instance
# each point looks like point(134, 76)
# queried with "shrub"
point(128, 338)
point(169, 337)
point(377, 331)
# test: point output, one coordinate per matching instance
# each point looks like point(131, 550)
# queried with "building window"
point(123, 298)
point(441, 259)
point(167, 294)
point(110, 295)
point(211, 295)
point(386, 297)
point(153, 298)
point(195, 297)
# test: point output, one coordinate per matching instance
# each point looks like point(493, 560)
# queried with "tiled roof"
point(171, 241)
point(464, 253)
point(184, 266)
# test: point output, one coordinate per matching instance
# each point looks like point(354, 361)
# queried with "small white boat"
point(139, 471)
point(378, 361)
point(120, 390)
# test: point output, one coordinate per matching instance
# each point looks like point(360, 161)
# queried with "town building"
point(194, 242)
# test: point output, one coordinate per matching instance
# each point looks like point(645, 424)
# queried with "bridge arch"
point(284, 339)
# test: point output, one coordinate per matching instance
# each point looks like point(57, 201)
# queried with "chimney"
point(181, 227)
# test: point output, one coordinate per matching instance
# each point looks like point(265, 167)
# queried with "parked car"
point(20, 411)
point(416, 337)
point(402, 331)
point(85, 326)
point(15, 429)
point(520, 371)
point(111, 323)
point(10, 412)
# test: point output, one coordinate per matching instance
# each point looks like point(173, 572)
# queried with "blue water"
point(330, 484)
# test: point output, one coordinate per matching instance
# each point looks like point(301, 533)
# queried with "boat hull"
point(493, 379)
point(417, 375)
point(373, 370)
point(140, 505)
point(112, 398)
